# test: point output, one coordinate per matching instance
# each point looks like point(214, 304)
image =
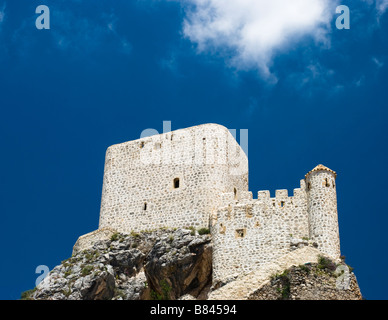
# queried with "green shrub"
point(114, 236)
point(88, 255)
point(155, 295)
point(192, 230)
point(26, 295)
point(285, 285)
point(305, 268)
point(66, 292)
point(86, 270)
point(134, 234)
point(326, 264)
point(165, 289)
point(203, 231)
point(165, 295)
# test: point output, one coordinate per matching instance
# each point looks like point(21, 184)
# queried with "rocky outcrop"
point(177, 264)
point(309, 282)
point(163, 264)
point(250, 286)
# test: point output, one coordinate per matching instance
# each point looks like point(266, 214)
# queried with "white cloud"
point(382, 5)
point(250, 32)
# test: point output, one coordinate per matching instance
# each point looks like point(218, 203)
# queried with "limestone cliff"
point(177, 264)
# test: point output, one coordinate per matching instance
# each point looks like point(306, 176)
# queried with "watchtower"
point(322, 209)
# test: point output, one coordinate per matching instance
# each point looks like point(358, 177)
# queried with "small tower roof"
point(321, 167)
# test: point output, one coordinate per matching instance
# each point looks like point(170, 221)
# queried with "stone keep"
point(198, 177)
point(171, 180)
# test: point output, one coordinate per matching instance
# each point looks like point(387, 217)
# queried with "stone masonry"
point(249, 233)
point(198, 177)
point(171, 180)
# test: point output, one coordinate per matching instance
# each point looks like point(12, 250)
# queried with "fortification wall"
point(171, 180)
point(249, 233)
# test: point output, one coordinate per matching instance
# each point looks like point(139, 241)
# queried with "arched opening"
point(176, 183)
point(145, 206)
point(235, 193)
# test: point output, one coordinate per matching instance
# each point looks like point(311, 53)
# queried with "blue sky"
point(307, 92)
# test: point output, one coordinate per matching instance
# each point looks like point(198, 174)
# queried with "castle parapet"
point(263, 195)
point(246, 195)
point(299, 193)
point(281, 194)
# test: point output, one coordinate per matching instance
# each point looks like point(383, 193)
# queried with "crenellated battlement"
point(281, 199)
point(281, 193)
point(248, 207)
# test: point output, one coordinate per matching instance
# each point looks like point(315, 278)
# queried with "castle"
point(198, 177)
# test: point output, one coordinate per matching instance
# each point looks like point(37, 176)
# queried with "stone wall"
point(171, 180)
point(246, 284)
point(250, 233)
